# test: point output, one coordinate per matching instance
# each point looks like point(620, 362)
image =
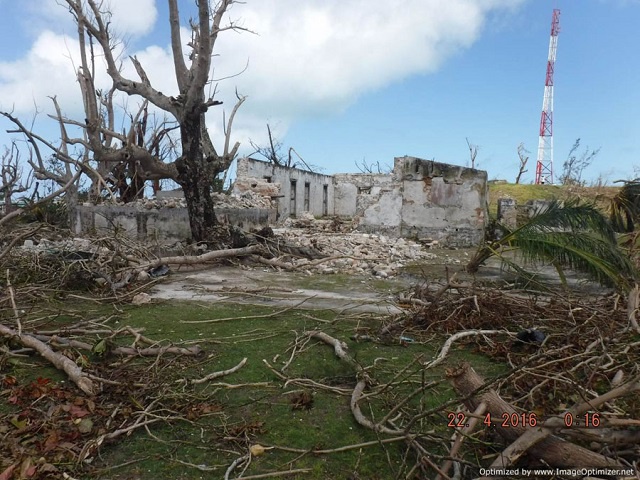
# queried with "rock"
point(141, 299)
point(143, 276)
point(382, 274)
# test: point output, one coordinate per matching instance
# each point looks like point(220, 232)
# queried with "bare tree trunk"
point(196, 181)
point(71, 199)
point(522, 155)
point(58, 360)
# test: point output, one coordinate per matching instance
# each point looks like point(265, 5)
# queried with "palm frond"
point(624, 209)
point(528, 279)
point(570, 216)
point(567, 235)
point(587, 252)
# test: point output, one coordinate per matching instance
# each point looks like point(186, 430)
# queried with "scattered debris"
point(159, 271)
point(141, 299)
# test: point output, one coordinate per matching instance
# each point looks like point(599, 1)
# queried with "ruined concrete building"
point(419, 199)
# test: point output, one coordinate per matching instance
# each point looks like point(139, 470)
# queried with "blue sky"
point(340, 83)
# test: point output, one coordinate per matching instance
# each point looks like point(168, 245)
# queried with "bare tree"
point(524, 158)
point(575, 164)
point(125, 160)
point(61, 167)
point(199, 162)
point(473, 152)
point(273, 154)
point(11, 177)
point(373, 168)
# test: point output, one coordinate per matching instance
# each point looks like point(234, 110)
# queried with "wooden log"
point(553, 450)
point(73, 371)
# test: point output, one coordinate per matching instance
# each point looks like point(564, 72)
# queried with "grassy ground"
point(522, 193)
point(254, 405)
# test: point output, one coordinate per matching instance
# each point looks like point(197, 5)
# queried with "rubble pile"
point(359, 253)
point(221, 200)
point(69, 248)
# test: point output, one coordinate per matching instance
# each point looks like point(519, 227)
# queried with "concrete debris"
point(247, 199)
point(82, 248)
point(357, 253)
point(345, 250)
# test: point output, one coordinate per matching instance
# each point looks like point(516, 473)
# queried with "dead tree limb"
point(340, 349)
point(198, 259)
point(58, 360)
point(460, 436)
point(214, 375)
point(130, 351)
point(447, 345)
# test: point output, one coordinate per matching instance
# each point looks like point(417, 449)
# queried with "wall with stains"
point(165, 225)
point(420, 199)
point(293, 191)
point(443, 202)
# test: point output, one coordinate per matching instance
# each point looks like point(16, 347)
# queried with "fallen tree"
point(538, 442)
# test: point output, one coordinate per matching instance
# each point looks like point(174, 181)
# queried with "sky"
point(351, 81)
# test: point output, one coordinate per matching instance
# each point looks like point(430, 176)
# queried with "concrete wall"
point(513, 215)
point(443, 202)
point(293, 191)
point(354, 193)
point(164, 225)
point(420, 198)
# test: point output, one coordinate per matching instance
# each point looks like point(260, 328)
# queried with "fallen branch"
point(17, 239)
point(249, 317)
point(340, 349)
point(215, 375)
point(196, 259)
point(447, 345)
point(345, 448)
point(553, 450)
point(282, 473)
point(131, 351)
point(460, 436)
point(73, 371)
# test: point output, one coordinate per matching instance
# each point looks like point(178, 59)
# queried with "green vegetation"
point(254, 406)
point(522, 193)
point(569, 234)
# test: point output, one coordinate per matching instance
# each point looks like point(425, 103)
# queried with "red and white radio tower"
point(544, 167)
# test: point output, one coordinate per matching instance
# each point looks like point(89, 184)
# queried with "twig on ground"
point(214, 375)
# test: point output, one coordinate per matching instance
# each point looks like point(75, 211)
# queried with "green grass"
point(522, 193)
point(240, 417)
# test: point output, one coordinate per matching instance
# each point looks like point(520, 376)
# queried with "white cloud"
point(47, 70)
point(318, 56)
point(128, 18)
point(307, 58)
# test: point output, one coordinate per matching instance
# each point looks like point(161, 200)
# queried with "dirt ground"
point(267, 287)
point(335, 291)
